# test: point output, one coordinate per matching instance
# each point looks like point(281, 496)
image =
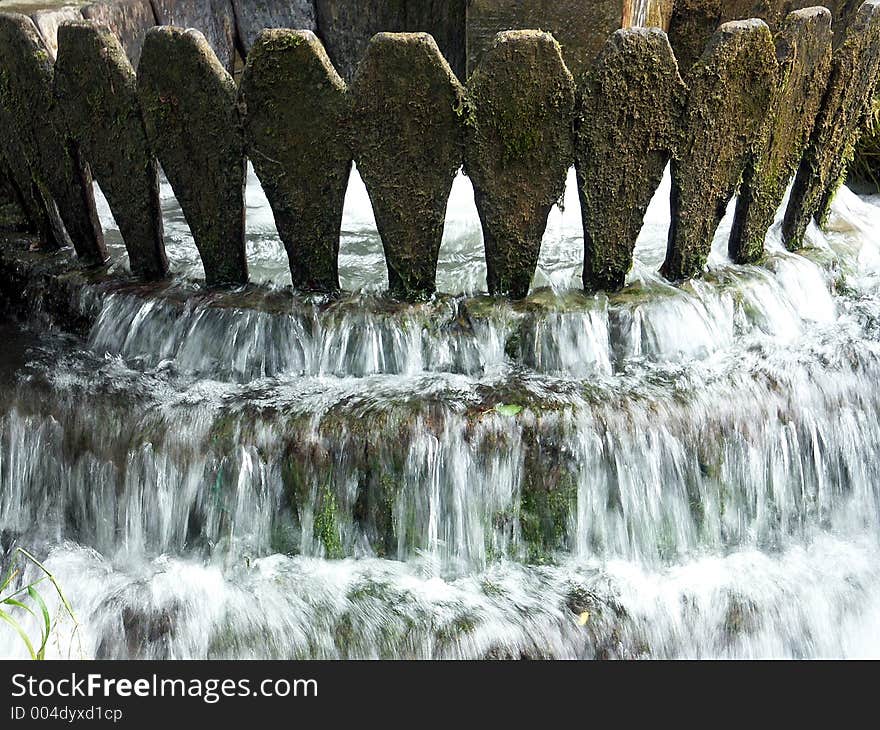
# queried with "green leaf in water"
point(508, 409)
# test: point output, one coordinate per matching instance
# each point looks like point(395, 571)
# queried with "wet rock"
point(188, 103)
point(347, 27)
point(630, 105)
point(408, 111)
point(843, 115)
point(691, 25)
point(215, 19)
point(580, 27)
point(128, 19)
point(34, 128)
point(731, 87)
point(48, 22)
point(803, 48)
point(253, 16)
point(293, 106)
point(518, 151)
point(96, 88)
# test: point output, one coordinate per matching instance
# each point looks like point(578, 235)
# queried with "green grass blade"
point(21, 632)
point(18, 604)
point(51, 577)
point(47, 621)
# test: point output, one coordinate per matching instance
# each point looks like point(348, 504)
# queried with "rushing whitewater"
point(669, 471)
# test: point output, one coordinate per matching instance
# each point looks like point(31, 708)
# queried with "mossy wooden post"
point(294, 106)
point(192, 122)
point(57, 169)
point(730, 91)
point(408, 112)
point(628, 113)
point(843, 115)
point(96, 88)
point(519, 150)
point(215, 19)
point(803, 48)
point(128, 19)
point(254, 16)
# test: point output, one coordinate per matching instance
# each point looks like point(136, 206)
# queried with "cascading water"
point(691, 470)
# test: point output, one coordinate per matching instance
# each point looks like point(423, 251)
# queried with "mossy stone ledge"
point(215, 19)
point(294, 107)
point(96, 88)
point(731, 87)
point(407, 121)
point(189, 106)
point(254, 16)
point(843, 115)
point(630, 103)
point(518, 152)
point(34, 128)
point(803, 49)
point(128, 19)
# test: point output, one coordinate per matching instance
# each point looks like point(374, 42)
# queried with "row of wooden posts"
point(754, 111)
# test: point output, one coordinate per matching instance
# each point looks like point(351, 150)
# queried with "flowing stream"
point(666, 472)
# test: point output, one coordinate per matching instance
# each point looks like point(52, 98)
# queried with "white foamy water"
point(695, 467)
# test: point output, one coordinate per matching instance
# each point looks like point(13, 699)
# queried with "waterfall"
point(256, 474)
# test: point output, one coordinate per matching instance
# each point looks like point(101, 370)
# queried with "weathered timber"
point(519, 150)
point(128, 19)
point(191, 118)
point(254, 16)
point(803, 49)
point(96, 90)
point(346, 28)
point(842, 117)
point(215, 19)
point(629, 108)
point(407, 122)
point(731, 88)
point(294, 107)
point(55, 165)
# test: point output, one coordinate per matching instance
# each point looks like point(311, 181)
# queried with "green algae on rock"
point(803, 49)
point(192, 122)
point(96, 89)
point(128, 19)
point(731, 87)
point(628, 114)
point(35, 129)
point(845, 111)
point(518, 151)
point(407, 121)
point(294, 107)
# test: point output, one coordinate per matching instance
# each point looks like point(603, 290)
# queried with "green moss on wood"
point(407, 135)
point(294, 108)
point(96, 90)
point(724, 119)
point(630, 104)
point(519, 148)
point(188, 103)
point(844, 114)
